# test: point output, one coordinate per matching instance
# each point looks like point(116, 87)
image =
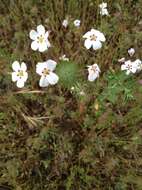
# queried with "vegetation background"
point(89, 138)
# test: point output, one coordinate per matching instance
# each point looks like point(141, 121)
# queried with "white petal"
point(33, 34)
point(104, 12)
point(40, 29)
point(128, 72)
point(88, 43)
point(14, 76)
point(46, 34)
point(100, 35)
point(52, 78)
point(40, 66)
point(51, 65)
point(43, 82)
point(25, 77)
point(48, 43)
point(34, 45)
point(42, 47)
point(92, 76)
point(103, 5)
point(23, 66)
point(20, 83)
point(123, 67)
point(131, 51)
point(87, 34)
point(16, 66)
point(97, 45)
point(134, 69)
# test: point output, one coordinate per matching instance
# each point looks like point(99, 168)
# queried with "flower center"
point(45, 72)
point(93, 37)
point(40, 39)
point(129, 67)
point(20, 73)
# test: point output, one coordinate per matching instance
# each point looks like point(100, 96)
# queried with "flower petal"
point(46, 34)
point(100, 35)
point(23, 66)
point(14, 77)
point(40, 66)
point(128, 72)
point(87, 34)
point(97, 45)
point(134, 69)
point(48, 43)
point(52, 78)
point(25, 76)
point(34, 45)
point(20, 83)
point(40, 29)
point(43, 82)
point(33, 34)
point(123, 67)
point(92, 76)
point(16, 66)
point(51, 65)
point(42, 47)
point(88, 43)
point(103, 5)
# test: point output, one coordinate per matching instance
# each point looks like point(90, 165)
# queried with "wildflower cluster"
point(131, 66)
point(94, 39)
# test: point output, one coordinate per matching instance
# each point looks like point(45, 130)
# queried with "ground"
point(56, 138)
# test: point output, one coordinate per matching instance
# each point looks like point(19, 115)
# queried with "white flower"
point(138, 63)
point(82, 93)
point(94, 38)
point(77, 23)
point(103, 5)
point(19, 75)
point(65, 23)
point(45, 70)
point(129, 66)
point(64, 58)
point(103, 9)
point(93, 71)
point(40, 39)
point(131, 51)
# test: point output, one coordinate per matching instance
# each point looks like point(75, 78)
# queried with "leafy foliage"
point(68, 73)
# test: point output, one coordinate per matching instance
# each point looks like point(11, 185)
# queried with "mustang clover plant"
point(94, 39)
point(94, 72)
point(45, 70)
point(20, 74)
point(40, 39)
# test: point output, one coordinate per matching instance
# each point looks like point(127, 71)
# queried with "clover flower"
point(130, 67)
point(131, 52)
point(94, 72)
point(64, 58)
point(94, 39)
point(45, 70)
point(65, 23)
point(77, 23)
point(40, 39)
point(103, 9)
point(19, 75)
